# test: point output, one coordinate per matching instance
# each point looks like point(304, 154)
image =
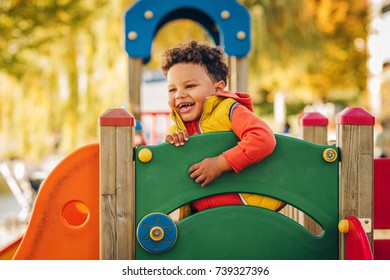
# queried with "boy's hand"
point(178, 138)
point(209, 169)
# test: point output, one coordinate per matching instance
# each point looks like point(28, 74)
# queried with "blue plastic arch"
point(227, 21)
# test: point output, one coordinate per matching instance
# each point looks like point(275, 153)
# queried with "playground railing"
point(355, 141)
point(325, 182)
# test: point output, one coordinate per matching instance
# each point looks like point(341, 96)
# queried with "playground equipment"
point(227, 22)
point(241, 232)
point(136, 198)
point(381, 208)
point(66, 211)
point(315, 131)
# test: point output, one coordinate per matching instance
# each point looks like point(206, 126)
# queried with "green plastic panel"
point(295, 173)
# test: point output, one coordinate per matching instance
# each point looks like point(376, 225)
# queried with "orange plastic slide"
point(8, 252)
point(65, 220)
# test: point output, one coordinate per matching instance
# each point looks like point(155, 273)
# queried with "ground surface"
point(11, 227)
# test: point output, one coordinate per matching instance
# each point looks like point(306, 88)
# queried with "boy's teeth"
point(184, 104)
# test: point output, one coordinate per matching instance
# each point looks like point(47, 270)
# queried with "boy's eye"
point(172, 90)
point(190, 86)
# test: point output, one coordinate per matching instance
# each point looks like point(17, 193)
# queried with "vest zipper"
point(201, 116)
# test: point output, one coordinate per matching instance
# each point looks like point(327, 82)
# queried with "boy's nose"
point(180, 94)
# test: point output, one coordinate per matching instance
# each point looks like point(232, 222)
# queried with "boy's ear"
point(219, 86)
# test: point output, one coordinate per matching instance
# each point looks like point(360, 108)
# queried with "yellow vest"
point(216, 117)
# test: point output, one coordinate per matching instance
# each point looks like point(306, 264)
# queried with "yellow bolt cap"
point(145, 155)
point(241, 35)
point(132, 35)
point(344, 226)
point(225, 14)
point(156, 233)
point(329, 155)
point(148, 14)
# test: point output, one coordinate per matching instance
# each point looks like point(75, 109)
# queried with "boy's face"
point(188, 87)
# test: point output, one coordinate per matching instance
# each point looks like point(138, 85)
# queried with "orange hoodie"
point(257, 138)
point(256, 142)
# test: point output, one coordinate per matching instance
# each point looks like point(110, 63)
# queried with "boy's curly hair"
point(210, 57)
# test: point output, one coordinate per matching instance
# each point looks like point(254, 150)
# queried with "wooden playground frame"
point(102, 222)
point(354, 139)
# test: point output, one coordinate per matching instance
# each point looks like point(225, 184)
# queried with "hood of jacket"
point(242, 97)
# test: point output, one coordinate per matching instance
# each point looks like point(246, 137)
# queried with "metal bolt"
point(241, 35)
point(225, 14)
point(132, 35)
point(148, 14)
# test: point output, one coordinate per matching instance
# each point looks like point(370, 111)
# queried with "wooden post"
point(242, 74)
point(355, 138)
point(135, 77)
point(238, 74)
point(313, 127)
point(117, 195)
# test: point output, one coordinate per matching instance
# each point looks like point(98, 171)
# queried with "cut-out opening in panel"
point(75, 213)
point(287, 210)
point(300, 217)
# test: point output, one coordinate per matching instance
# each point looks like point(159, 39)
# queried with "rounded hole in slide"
point(75, 213)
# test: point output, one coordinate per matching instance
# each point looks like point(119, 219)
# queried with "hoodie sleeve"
point(257, 139)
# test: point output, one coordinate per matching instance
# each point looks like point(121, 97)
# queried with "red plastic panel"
point(382, 249)
point(381, 193)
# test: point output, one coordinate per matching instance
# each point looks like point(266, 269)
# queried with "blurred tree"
point(53, 54)
point(29, 25)
point(168, 37)
point(62, 63)
point(311, 49)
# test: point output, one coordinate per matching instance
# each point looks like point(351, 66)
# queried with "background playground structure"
point(154, 114)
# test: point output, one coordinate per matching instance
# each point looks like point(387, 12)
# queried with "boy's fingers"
point(195, 174)
point(205, 183)
point(178, 138)
point(200, 180)
point(193, 168)
point(169, 139)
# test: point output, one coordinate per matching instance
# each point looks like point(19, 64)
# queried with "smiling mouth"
point(184, 107)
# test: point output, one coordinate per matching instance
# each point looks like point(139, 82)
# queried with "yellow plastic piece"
point(329, 155)
point(145, 155)
point(262, 201)
point(344, 226)
point(156, 233)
